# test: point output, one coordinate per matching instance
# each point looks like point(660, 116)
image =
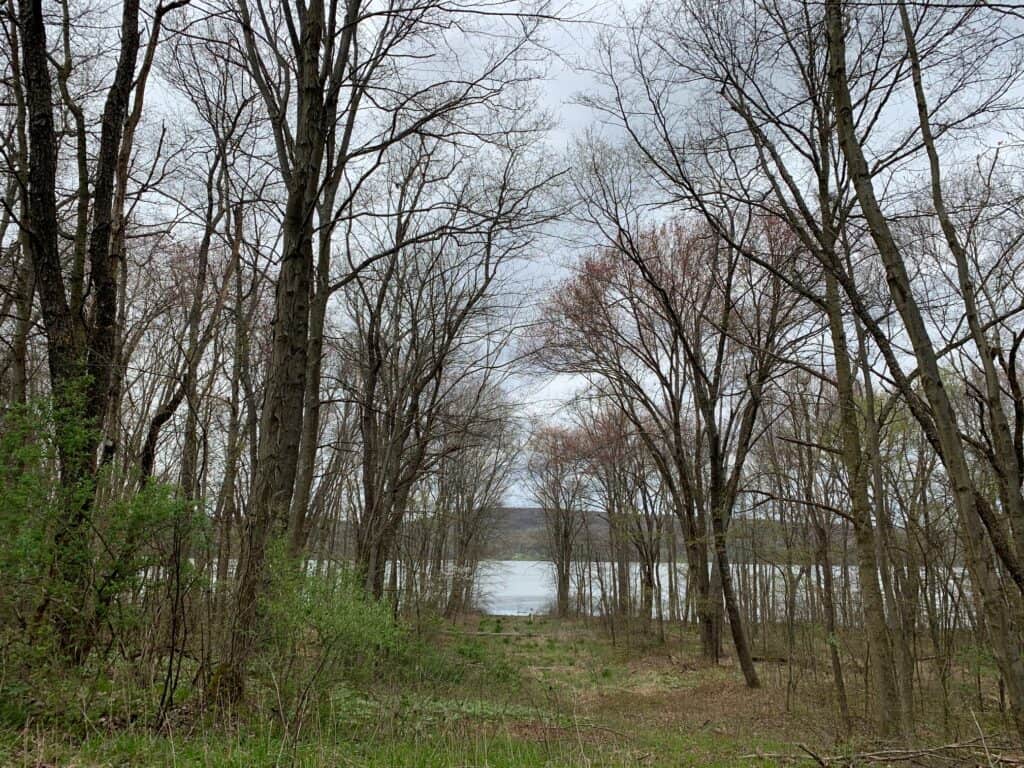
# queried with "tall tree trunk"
point(308, 442)
point(976, 516)
point(732, 608)
point(855, 463)
point(277, 454)
point(828, 599)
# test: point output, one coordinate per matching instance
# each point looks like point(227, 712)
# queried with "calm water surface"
point(515, 587)
point(522, 587)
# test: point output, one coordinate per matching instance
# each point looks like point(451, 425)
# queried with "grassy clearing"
point(489, 692)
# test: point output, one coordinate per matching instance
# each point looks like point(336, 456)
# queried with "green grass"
point(554, 747)
point(492, 693)
point(140, 749)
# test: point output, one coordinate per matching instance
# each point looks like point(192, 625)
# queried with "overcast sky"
point(544, 398)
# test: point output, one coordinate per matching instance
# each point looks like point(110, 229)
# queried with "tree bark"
point(976, 517)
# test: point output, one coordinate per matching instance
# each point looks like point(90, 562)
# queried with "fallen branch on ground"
point(973, 752)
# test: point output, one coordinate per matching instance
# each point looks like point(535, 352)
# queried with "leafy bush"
point(321, 631)
point(133, 545)
point(29, 505)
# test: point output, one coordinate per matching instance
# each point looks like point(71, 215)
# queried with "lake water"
point(515, 587)
point(523, 587)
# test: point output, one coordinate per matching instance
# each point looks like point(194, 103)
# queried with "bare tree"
point(558, 482)
point(81, 340)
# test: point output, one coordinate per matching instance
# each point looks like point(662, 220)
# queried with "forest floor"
point(539, 692)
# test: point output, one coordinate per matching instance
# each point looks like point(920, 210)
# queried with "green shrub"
point(29, 506)
point(133, 544)
point(320, 632)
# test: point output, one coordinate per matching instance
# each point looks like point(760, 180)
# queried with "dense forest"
point(309, 310)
